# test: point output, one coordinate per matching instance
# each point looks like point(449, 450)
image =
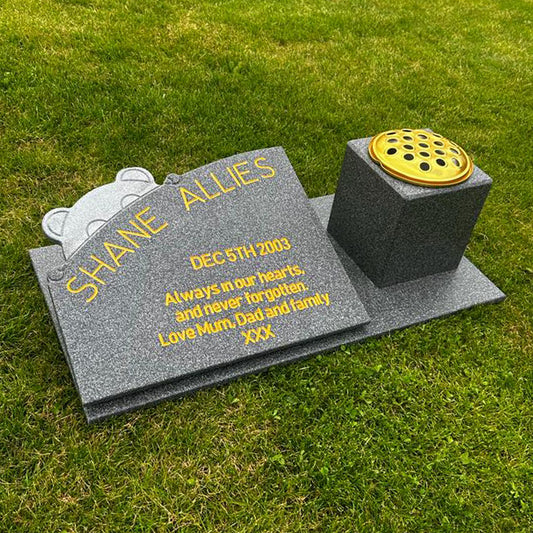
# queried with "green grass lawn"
point(427, 429)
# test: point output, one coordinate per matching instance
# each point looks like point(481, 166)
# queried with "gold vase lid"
point(421, 157)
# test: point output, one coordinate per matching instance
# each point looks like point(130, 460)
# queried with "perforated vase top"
point(421, 157)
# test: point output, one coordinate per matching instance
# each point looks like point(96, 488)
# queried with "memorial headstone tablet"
point(224, 263)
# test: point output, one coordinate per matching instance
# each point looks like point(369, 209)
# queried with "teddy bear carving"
point(72, 226)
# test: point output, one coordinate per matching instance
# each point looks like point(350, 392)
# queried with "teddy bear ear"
point(54, 223)
point(135, 174)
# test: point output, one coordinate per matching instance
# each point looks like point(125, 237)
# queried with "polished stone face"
point(396, 231)
point(225, 263)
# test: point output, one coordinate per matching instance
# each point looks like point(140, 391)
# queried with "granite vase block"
point(396, 231)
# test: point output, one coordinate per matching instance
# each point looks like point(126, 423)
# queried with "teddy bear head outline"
point(72, 226)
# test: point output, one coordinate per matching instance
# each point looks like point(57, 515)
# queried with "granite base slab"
point(390, 308)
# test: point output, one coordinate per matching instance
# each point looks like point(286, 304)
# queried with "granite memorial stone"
point(157, 291)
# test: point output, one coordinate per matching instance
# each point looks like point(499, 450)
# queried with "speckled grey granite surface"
point(117, 323)
point(389, 308)
point(396, 231)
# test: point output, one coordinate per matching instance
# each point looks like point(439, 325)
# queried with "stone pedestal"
point(396, 231)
